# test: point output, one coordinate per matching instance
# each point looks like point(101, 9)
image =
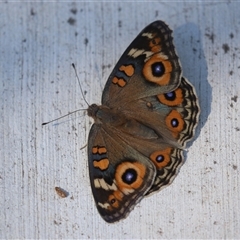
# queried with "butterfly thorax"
point(105, 115)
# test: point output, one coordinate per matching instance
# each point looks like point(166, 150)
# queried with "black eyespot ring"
point(113, 201)
point(160, 158)
point(158, 69)
point(174, 122)
point(129, 176)
point(171, 96)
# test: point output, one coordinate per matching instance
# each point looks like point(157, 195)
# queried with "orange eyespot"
point(158, 70)
point(173, 98)
point(113, 201)
point(161, 158)
point(175, 122)
point(129, 175)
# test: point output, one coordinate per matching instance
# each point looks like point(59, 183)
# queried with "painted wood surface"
point(38, 43)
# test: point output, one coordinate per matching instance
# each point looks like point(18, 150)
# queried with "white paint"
point(37, 84)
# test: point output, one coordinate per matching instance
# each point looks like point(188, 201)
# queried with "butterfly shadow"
point(189, 46)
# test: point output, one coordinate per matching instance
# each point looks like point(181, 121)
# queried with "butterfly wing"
point(149, 66)
point(159, 127)
point(173, 115)
point(120, 176)
point(137, 158)
point(181, 113)
point(149, 112)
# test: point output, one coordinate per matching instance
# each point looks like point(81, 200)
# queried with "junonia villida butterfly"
point(148, 113)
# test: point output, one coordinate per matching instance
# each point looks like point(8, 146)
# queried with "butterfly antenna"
point(45, 123)
point(73, 65)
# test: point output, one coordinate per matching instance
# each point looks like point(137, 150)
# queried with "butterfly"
point(148, 113)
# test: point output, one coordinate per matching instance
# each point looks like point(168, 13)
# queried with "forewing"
point(149, 66)
point(120, 175)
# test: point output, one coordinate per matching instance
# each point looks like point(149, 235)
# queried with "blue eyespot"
point(158, 69)
point(170, 96)
point(113, 201)
point(174, 122)
point(129, 176)
point(160, 158)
